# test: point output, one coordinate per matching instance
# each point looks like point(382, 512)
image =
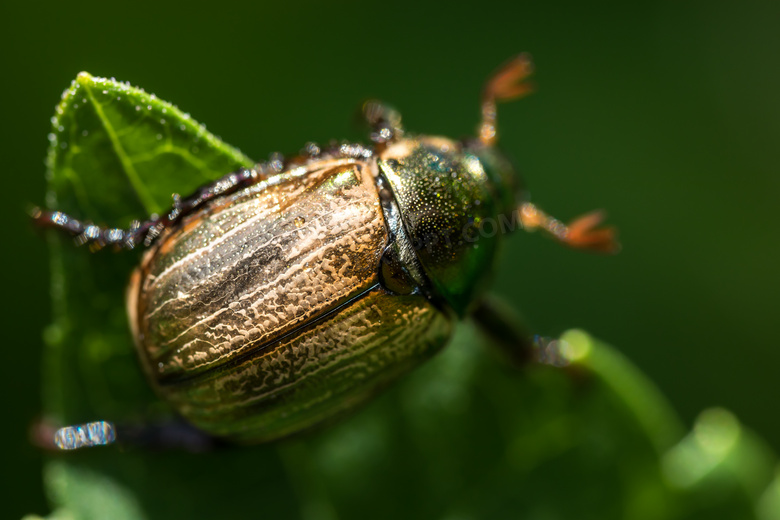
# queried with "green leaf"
point(116, 154)
point(119, 153)
point(464, 436)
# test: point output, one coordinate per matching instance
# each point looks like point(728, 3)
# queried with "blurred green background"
point(665, 113)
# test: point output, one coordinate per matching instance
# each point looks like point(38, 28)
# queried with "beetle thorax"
point(444, 197)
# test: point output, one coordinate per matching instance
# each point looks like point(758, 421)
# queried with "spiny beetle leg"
point(146, 232)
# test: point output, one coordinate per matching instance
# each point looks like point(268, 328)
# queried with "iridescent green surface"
point(450, 212)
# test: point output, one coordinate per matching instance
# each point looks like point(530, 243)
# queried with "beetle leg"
point(581, 233)
point(167, 435)
point(506, 84)
point(500, 322)
point(384, 120)
point(146, 232)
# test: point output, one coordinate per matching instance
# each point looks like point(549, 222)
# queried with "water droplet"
point(299, 221)
point(61, 128)
point(137, 108)
point(85, 133)
point(162, 121)
point(148, 107)
point(159, 137)
point(119, 98)
point(182, 127)
point(52, 137)
point(105, 92)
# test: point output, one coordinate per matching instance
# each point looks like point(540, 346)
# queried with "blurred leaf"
point(462, 437)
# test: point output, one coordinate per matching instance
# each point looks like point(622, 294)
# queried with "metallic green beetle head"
point(455, 198)
point(455, 201)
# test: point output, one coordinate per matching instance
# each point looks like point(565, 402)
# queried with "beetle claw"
point(508, 83)
point(584, 233)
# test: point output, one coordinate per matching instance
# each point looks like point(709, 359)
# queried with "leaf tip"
point(84, 78)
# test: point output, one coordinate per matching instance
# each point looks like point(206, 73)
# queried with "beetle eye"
point(392, 274)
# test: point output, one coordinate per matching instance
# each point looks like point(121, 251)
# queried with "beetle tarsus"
point(85, 232)
point(581, 233)
point(506, 84)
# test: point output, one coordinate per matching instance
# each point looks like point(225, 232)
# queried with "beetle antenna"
point(506, 84)
point(581, 233)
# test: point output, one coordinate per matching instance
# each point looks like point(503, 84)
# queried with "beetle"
point(284, 296)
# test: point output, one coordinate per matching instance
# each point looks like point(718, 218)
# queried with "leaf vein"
point(145, 197)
